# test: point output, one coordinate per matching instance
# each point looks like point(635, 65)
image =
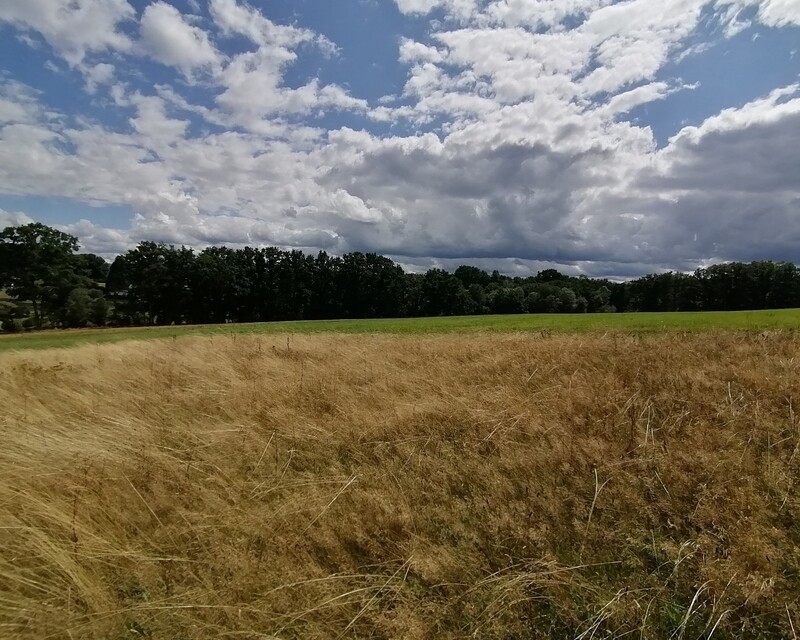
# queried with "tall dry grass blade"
point(442, 455)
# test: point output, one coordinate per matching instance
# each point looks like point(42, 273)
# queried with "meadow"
point(762, 320)
point(489, 485)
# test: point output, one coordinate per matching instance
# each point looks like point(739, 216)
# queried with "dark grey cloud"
point(512, 200)
point(762, 157)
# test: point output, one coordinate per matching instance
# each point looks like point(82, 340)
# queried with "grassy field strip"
point(567, 323)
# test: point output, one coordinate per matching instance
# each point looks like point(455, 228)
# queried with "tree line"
point(47, 282)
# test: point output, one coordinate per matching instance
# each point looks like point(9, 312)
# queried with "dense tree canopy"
point(262, 284)
point(39, 266)
point(159, 284)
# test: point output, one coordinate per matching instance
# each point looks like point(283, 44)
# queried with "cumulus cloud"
point(13, 219)
point(19, 103)
point(728, 189)
point(253, 91)
point(170, 38)
point(521, 152)
point(154, 125)
point(73, 29)
point(102, 241)
point(756, 144)
point(235, 18)
point(252, 82)
point(97, 75)
point(778, 13)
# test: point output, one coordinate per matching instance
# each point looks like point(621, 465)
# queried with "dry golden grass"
point(488, 486)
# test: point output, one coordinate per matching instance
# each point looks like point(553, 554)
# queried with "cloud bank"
point(518, 146)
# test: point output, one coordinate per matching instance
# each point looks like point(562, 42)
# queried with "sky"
point(599, 138)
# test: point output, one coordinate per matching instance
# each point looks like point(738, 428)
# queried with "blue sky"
point(596, 137)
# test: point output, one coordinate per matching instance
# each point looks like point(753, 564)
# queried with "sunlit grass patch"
point(569, 323)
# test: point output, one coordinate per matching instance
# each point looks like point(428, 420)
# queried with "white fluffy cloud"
point(252, 81)
point(19, 104)
point(252, 91)
point(72, 28)
point(779, 13)
point(234, 18)
point(170, 38)
point(524, 157)
point(13, 219)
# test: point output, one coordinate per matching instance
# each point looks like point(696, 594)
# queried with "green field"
point(570, 323)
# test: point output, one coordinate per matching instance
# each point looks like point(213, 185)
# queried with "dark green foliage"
point(39, 265)
point(11, 325)
point(78, 308)
point(357, 285)
point(734, 286)
point(11, 316)
point(157, 284)
point(600, 299)
point(549, 275)
point(98, 311)
point(36, 264)
point(479, 299)
point(93, 267)
point(507, 300)
point(444, 295)
point(217, 281)
point(472, 276)
point(567, 301)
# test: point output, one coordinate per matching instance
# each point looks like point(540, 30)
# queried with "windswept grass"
point(445, 486)
point(764, 320)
